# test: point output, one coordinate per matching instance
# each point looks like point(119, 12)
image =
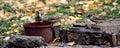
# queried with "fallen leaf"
point(108, 1)
point(91, 6)
point(30, 13)
point(53, 44)
point(6, 38)
point(25, 18)
point(14, 24)
point(63, 1)
point(39, 4)
point(96, 1)
point(86, 7)
point(62, 20)
point(71, 43)
point(73, 11)
point(19, 5)
point(16, 29)
point(55, 40)
point(97, 5)
point(25, 9)
point(103, 13)
point(114, 3)
point(8, 32)
point(30, 1)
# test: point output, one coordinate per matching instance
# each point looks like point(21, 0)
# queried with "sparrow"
point(94, 19)
point(38, 17)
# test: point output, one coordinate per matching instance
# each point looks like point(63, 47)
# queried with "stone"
point(21, 41)
point(78, 46)
point(79, 25)
point(57, 30)
point(110, 27)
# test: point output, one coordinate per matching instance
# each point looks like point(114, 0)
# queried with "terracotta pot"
point(39, 29)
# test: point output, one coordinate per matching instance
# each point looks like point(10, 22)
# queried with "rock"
point(110, 27)
point(79, 25)
point(21, 41)
point(63, 35)
point(57, 30)
point(78, 46)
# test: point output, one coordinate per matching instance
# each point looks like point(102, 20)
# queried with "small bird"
point(38, 17)
point(94, 19)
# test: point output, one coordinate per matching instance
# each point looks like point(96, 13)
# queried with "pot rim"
point(37, 25)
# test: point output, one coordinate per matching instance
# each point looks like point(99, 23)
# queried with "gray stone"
point(77, 46)
point(21, 41)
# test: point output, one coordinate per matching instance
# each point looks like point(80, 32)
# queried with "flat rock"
point(110, 27)
point(25, 41)
point(77, 46)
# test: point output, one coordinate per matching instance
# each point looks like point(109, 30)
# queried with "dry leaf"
point(108, 1)
point(71, 17)
point(85, 7)
point(71, 43)
point(52, 1)
point(55, 40)
point(14, 24)
point(62, 20)
point(16, 29)
point(30, 13)
point(39, 4)
point(8, 32)
point(73, 11)
point(103, 13)
point(25, 18)
point(53, 43)
point(63, 1)
point(2, 15)
point(81, 2)
point(25, 9)
point(19, 5)
point(91, 6)
point(114, 3)
point(6, 38)
point(30, 1)
point(97, 5)
point(96, 1)
point(8, 1)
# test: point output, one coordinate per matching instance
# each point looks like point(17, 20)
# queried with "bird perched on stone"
point(94, 18)
point(38, 17)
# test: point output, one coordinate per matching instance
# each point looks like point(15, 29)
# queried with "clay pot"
point(39, 29)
